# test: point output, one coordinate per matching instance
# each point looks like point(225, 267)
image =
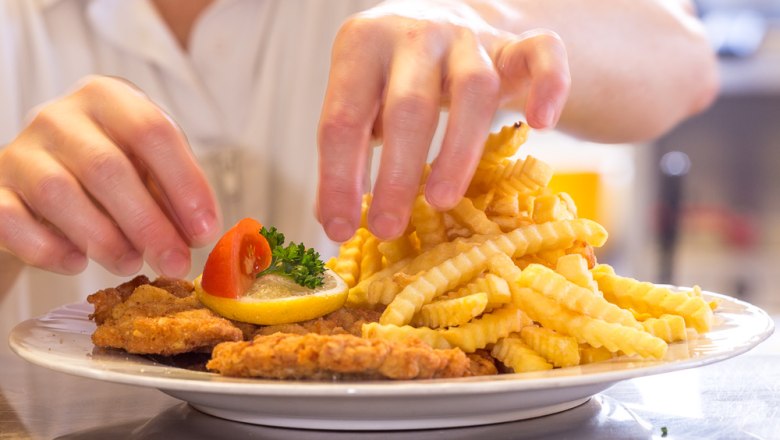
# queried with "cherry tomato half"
point(236, 259)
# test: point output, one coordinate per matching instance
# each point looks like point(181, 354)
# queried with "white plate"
point(61, 341)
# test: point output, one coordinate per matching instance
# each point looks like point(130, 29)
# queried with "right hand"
point(104, 174)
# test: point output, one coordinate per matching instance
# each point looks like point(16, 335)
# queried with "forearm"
point(638, 67)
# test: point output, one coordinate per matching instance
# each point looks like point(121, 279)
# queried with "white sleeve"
point(10, 96)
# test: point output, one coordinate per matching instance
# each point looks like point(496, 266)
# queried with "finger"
point(56, 196)
point(473, 85)
point(34, 243)
point(350, 107)
point(148, 135)
point(410, 116)
point(111, 179)
point(539, 56)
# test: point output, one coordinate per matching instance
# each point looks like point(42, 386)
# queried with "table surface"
point(734, 399)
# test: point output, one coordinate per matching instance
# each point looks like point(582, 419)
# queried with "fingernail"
point(74, 262)
point(339, 229)
point(174, 263)
point(387, 226)
point(129, 263)
point(203, 225)
point(442, 195)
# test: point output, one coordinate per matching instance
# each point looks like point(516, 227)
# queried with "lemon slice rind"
point(284, 310)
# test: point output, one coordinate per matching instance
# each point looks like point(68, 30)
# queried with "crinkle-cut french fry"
point(443, 252)
point(550, 257)
point(382, 290)
point(533, 176)
point(579, 299)
point(429, 223)
point(366, 203)
point(451, 312)
point(498, 147)
point(517, 355)
point(594, 331)
point(483, 200)
point(488, 329)
point(574, 268)
point(656, 300)
point(510, 223)
point(670, 328)
point(359, 294)
point(467, 265)
point(434, 338)
point(551, 207)
point(560, 350)
point(505, 205)
point(643, 316)
point(347, 264)
point(506, 142)
point(555, 316)
point(397, 249)
point(695, 292)
point(585, 251)
point(495, 287)
point(466, 214)
point(454, 229)
point(503, 170)
point(590, 354)
point(371, 258)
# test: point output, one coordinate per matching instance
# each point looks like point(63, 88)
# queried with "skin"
point(392, 70)
point(82, 180)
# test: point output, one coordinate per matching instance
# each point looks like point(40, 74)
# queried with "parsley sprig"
point(295, 261)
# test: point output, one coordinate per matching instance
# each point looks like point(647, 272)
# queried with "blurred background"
point(702, 204)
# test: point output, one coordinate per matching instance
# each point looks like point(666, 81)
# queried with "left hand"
point(393, 68)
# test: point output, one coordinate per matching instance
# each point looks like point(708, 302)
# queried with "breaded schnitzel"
point(164, 317)
point(105, 300)
point(312, 356)
point(152, 320)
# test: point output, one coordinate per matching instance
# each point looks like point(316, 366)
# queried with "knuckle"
point(412, 109)
point(480, 82)
point(357, 28)
point(48, 119)
point(51, 190)
point(558, 80)
point(96, 86)
point(343, 121)
point(104, 169)
point(400, 182)
point(424, 31)
point(153, 133)
point(149, 231)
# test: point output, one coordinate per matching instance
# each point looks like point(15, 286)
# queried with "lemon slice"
point(276, 299)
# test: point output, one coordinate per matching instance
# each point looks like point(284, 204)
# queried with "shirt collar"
point(136, 27)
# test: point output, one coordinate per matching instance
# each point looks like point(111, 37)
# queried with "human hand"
point(393, 68)
point(104, 174)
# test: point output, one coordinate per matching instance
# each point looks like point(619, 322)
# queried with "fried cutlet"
point(153, 320)
point(105, 300)
point(343, 321)
point(343, 356)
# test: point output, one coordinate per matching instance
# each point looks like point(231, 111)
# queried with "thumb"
point(534, 65)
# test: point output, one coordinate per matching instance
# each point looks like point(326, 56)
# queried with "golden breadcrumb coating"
point(152, 320)
point(312, 356)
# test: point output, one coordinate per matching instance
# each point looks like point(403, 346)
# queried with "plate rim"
point(503, 383)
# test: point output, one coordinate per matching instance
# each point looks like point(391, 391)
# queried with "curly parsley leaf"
point(295, 261)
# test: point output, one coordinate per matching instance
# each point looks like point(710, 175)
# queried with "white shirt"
point(247, 95)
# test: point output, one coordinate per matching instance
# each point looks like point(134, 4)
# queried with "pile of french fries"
point(511, 270)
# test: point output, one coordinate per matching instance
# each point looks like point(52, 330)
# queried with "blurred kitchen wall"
point(724, 168)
